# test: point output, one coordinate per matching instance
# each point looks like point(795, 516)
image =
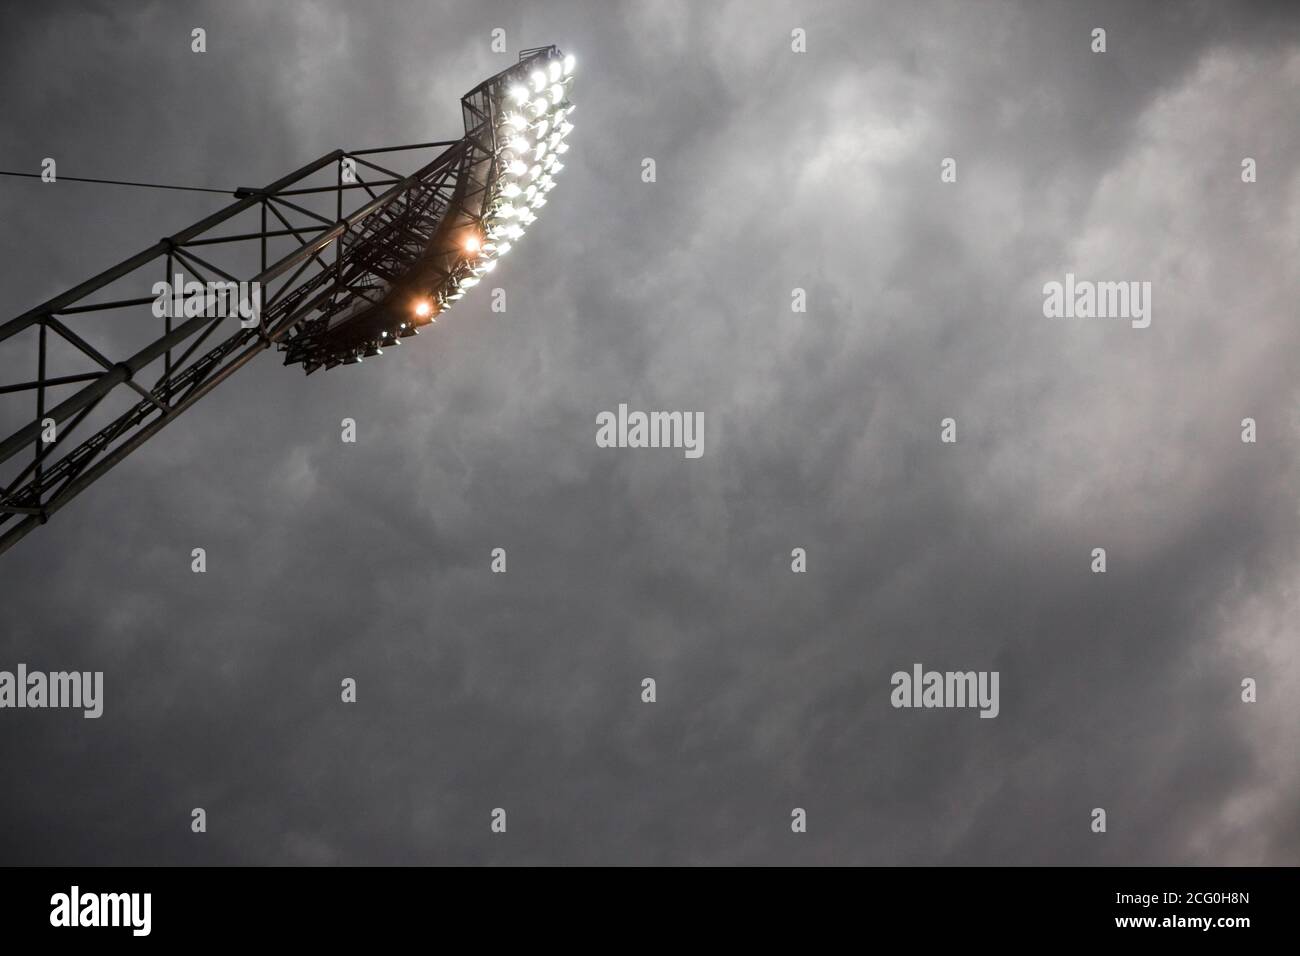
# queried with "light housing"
point(492, 187)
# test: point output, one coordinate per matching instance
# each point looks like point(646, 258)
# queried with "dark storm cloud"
point(775, 170)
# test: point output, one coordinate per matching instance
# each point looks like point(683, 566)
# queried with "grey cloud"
point(775, 171)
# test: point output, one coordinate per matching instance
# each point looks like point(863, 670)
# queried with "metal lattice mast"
point(349, 255)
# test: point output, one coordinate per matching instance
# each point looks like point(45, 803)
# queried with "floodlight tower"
point(345, 269)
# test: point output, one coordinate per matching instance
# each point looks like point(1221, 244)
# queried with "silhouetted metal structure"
point(349, 256)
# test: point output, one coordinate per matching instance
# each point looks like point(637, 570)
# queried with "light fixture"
point(533, 123)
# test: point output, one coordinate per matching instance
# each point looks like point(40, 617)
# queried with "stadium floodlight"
point(366, 256)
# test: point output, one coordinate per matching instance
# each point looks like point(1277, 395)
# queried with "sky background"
point(775, 170)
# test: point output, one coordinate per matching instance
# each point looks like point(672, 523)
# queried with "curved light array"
point(529, 137)
point(469, 207)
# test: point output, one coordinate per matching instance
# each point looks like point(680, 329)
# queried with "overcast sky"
point(775, 170)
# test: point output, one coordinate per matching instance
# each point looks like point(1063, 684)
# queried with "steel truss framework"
point(338, 248)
